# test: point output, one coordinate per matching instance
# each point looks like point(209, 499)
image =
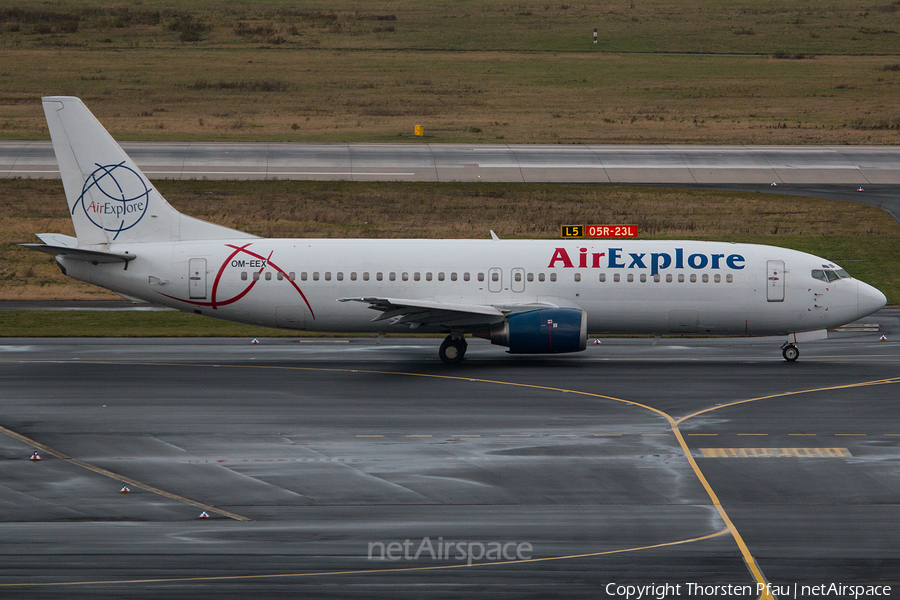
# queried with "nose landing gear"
point(453, 349)
point(790, 352)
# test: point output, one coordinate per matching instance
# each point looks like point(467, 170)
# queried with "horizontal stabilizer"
point(58, 239)
point(91, 256)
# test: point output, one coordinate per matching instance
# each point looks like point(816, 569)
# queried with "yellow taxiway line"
point(749, 560)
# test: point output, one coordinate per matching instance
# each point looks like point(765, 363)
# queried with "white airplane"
point(535, 296)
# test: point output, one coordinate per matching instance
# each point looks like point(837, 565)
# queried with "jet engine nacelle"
point(543, 331)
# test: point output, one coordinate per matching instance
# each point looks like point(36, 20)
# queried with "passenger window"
point(552, 276)
point(531, 277)
point(315, 275)
point(365, 275)
point(417, 276)
point(441, 277)
point(602, 277)
point(327, 275)
point(540, 277)
point(729, 278)
point(669, 278)
point(340, 275)
point(269, 276)
point(681, 278)
point(630, 277)
point(717, 278)
point(705, 278)
point(303, 276)
point(494, 276)
point(465, 276)
point(481, 277)
point(256, 276)
point(292, 276)
point(353, 276)
point(280, 276)
point(656, 278)
point(693, 278)
point(244, 276)
point(392, 276)
point(428, 276)
point(452, 276)
point(518, 276)
point(643, 278)
point(577, 277)
point(379, 276)
point(404, 276)
point(616, 278)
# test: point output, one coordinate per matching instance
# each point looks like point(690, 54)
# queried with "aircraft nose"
point(868, 299)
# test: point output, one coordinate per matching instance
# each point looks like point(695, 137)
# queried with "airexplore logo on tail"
point(123, 199)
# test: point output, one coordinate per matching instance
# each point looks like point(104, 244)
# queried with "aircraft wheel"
point(452, 350)
point(790, 353)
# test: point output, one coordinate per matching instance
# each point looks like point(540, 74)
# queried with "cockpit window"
point(827, 275)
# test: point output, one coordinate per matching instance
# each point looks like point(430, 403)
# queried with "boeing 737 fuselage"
point(531, 296)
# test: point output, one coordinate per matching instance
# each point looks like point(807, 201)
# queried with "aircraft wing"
point(432, 313)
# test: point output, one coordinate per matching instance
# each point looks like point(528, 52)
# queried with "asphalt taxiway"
point(325, 465)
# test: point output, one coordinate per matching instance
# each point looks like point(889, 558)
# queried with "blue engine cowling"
point(543, 331)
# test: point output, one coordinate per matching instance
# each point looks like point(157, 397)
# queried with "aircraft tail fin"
point(110, 199)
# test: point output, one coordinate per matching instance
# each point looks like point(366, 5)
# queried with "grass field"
point(717, 26)
point(520, 71)
point(863, 239)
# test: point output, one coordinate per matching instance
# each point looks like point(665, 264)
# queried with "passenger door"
point(775, 281)
point(197, 278)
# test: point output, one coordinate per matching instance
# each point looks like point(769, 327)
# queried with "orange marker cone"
point(35, 456)
point(203, 515)
point(124, 490)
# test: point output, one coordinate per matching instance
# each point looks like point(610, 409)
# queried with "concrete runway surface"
point(644, 164)
point(325, 465)
point(835, 172)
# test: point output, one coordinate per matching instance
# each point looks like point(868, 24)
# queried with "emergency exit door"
point(518, 280)
point(775, 281)
point(495, 280)
point(197, 278)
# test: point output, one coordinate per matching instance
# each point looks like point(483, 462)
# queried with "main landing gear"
point(790, 352)
point(453, 349)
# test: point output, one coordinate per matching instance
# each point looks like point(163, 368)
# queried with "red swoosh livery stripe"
point(214, 304)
